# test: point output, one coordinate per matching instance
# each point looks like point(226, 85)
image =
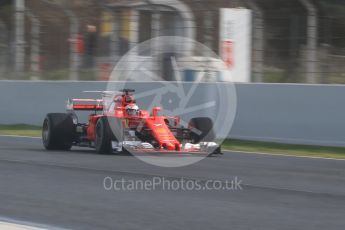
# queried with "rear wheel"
point(58, 131)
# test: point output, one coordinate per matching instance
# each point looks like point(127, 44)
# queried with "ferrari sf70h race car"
point(116, 124)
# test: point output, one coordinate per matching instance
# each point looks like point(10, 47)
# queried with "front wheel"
point(103, 137)
point(201, 129)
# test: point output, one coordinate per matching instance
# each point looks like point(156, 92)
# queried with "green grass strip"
point(286, 149)
point(21, 130)
point(232, 145)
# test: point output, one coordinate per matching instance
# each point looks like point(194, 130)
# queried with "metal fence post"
point(114, 37)
point(35, 45)
point(133, 28)
point(19, 37)
point(312, 35)
point(4, 49)
point(258, 41)
point(74, 57)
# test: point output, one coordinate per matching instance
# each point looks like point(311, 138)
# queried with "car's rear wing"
point(85, 104)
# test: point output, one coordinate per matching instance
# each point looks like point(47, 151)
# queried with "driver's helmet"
point(132, 110)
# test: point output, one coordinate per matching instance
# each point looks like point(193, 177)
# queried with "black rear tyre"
point(58, 131)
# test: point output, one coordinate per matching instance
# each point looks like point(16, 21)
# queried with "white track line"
point(20, 136)
point(12, 224)
point(228, 150)
point(284, 155)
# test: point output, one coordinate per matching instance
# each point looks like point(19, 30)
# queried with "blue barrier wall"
point(289, 113)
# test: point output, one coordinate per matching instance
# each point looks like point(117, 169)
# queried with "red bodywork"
point(159, 126)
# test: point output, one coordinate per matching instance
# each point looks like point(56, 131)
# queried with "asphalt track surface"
point(65, 190)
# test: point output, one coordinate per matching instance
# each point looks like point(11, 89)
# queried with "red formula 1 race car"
point(118, 125)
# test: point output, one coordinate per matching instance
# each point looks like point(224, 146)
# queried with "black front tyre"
point(201, 129)
point(58, 131)
point(103, 137)
point(217, 151)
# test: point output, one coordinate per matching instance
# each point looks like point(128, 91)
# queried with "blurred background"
point(295, 41)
